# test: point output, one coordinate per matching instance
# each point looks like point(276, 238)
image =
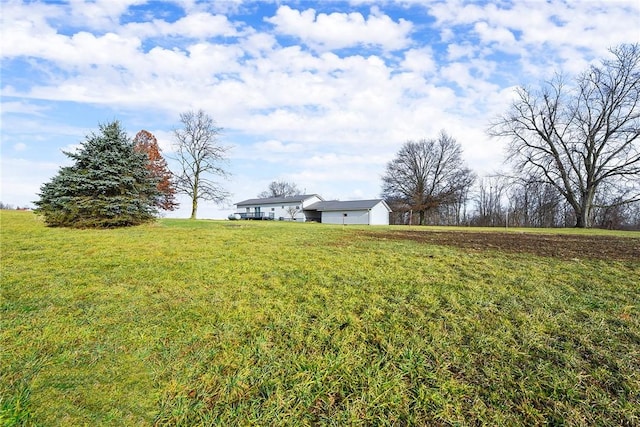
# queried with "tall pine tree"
point(108, 186)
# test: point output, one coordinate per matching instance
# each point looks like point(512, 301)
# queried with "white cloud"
point(199, 25)
point(459, 51)
point(37, 39)
point(494, 34)
point(340, 30)
point(547, 36)
point(165, 140)
point(272, 152)
point(99, 15)
point(420, 61)
point(22, 107)
point(276, 146)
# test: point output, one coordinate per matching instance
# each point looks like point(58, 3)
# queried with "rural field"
point(266, 323)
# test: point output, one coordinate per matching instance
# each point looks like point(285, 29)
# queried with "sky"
point(319, 93)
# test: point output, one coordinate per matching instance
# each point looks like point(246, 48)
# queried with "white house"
point(290, 208)
point(312, 207)
point(367, 212)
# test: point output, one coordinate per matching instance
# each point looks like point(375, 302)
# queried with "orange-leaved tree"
point(146, 142)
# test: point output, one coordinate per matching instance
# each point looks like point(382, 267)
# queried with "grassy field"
point(265, 323)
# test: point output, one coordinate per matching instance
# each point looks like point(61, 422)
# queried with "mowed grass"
point(265, 323)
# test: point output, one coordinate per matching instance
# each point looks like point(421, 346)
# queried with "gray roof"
point(275, 200)
point(351, 205)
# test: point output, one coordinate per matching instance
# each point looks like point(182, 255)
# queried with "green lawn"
point(267, 323)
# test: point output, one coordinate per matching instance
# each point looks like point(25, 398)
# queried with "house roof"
point(351, 205)
point(276, 200)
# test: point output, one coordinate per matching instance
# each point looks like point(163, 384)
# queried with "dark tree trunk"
point(194, 207)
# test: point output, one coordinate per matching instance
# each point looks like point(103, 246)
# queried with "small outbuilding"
point(363, 212)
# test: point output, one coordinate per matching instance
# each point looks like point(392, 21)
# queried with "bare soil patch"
point(563, 246)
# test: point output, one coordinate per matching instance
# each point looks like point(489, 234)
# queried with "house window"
point(297, 207)
point(283, 207)
point(248, 209)
point(273, 209)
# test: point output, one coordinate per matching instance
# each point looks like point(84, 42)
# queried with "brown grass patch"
point(563, 246)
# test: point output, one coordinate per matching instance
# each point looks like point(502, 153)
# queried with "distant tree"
point(292, 211)
point(199, 156)
point(280, 189)
point(610, 213)
point(146, 142)
point(535, 204)
point(5, 206)
point(426, 175)
point(109, 185)
point(489, 209)
point(581, 137)
point(632, 216)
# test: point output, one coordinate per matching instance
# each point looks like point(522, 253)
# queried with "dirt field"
point(563, 246)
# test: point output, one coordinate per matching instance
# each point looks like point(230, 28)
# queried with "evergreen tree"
point(108, 186)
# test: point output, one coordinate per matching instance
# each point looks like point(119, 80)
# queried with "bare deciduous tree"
point(582, 137)
point(536, 204)
point(280, 189)
point(199, 156)
point(489, 206)
point(292, 211)
point(426, 175)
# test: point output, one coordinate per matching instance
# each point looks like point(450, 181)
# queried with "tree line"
point(573, 145)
